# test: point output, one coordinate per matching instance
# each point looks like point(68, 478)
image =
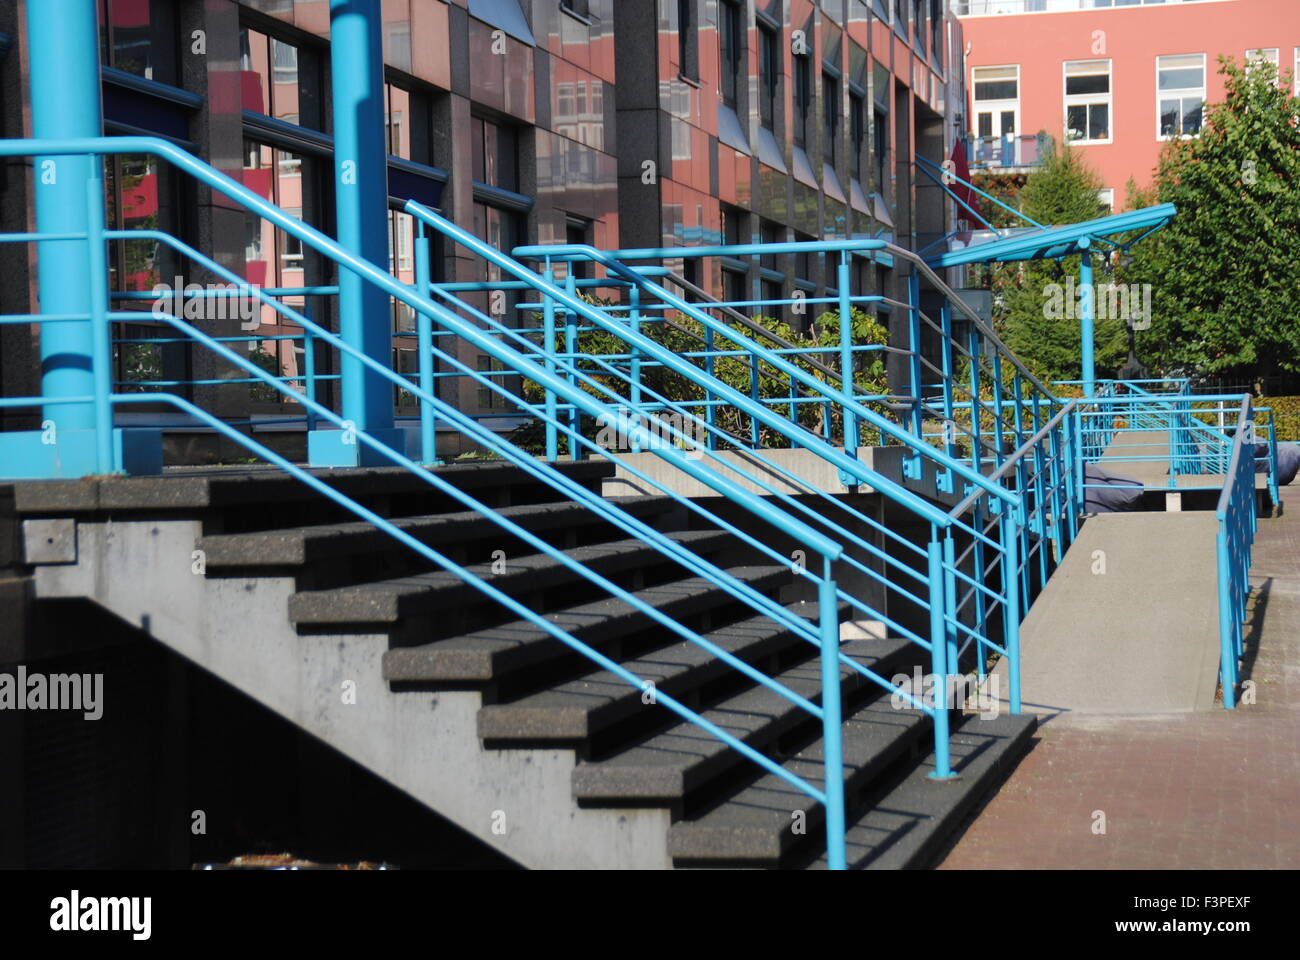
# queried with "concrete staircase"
point(488, 720)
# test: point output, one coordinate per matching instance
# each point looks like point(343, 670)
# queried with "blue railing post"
point(912, 463)
point(100, 324)
point(548, 360)
point(571, 351)
point(833, 758)
point(1087, 305)
point(939, 656)
point(76, 437)
point(1227, 616)
point(424, 346)
point(309, 373)
point(710, 414)
point(1011, 597)
point(361, 204)
point(634, 365)
point(846, 356)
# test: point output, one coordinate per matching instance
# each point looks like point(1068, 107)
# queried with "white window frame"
point(1295, 79)
point(1180, 93)
point(1275, 59)
point(996, 107)
point(1088, 99)
point(1106, 195)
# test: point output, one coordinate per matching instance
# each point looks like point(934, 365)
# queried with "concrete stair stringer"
point(424, 743)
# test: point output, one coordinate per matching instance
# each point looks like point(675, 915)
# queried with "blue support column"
point(1087, 310)
point(76, 438)
point(361, 202)
point(912, 462)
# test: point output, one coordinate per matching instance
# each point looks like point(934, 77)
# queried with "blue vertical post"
point(1087, 306)
point(548, 352)
point(939, 657)
point(1227, 644)
point(361, 202)
point(912, 463)
point(424, 345)
point(101, 341)
point(571, 349)
point(1011, 599)
point(634, 372)
point(829, 623)
point(63, 45)
point(846, 356)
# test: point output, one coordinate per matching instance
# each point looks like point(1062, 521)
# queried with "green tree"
point(1062, 190)
point(1224, 272)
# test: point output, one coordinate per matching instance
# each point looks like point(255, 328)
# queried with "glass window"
point(997, 100)
point(1180, 93)
point(997, 83)
point(1087, 100)
point(273, 82)
point(496, 154)
point(830, 115)
point(139, 37)
point(688, 48)
point(731, 49)
point(1263, 55)
point(769, 65)
point(857, 132)
point(802, 98)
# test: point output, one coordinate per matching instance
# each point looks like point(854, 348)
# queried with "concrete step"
point(580, 709)
point(913, 822)
point(297, 546)
point(189, 489)
point(423, 594)
point(757, 826)
point(488, 655)
point(667, 767)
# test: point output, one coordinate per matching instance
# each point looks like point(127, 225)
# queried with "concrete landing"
point(1151, 445)
point(1129, 623)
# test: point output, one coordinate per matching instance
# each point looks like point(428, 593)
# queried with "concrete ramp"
point(1152, 446)
point(1129, 622)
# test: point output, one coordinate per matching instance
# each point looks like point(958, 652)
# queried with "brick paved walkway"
point(1206, 790)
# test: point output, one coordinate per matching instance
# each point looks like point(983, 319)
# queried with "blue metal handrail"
point(1237, 520)
point(825, 635)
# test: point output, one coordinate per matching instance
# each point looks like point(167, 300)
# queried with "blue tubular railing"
point(1198, 447)
point(1004, 507)
point(1237, 519)
point(569, 384)
point(935, 399)
point(941, 666)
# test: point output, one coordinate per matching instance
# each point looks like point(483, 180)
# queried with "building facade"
point(1115, 78)
point(629, 123)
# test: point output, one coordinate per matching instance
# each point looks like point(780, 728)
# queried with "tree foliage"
point(1224, 272)
point(1062, 190)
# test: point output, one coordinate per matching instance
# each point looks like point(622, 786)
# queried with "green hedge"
point(1287, 412)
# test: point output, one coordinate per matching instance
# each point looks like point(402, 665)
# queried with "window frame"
point(999, 106)
point(1181, 93)
point(1088, 100)
point(731, 51)
point(769, 76)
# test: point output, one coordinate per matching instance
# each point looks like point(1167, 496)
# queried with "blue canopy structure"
point(1049, 243)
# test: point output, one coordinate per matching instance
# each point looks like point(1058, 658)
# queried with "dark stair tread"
point(756, 825)
point(485, 654)
point(190, 488)
point(387, 601)
point(910, 824)
point(296, 545)
point(673, 763)
point(577, 709)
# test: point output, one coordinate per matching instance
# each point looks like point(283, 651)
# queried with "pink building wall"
point(1132, 37)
